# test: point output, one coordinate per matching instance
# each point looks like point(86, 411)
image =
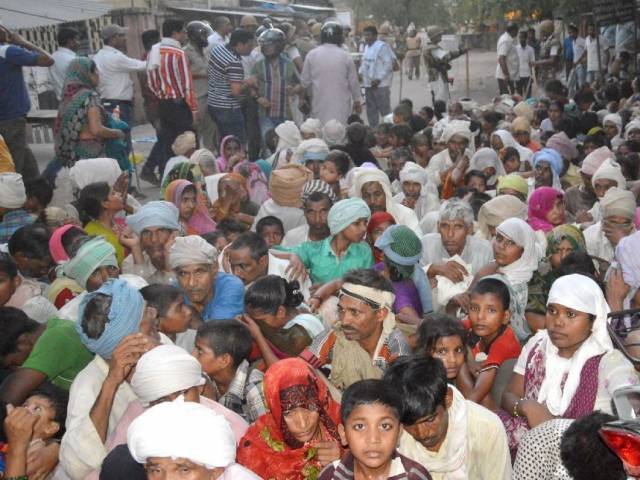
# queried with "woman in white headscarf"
point(501, 139)
point(569, 369)
point(612, 125)
point(487, 161)
point(458, 138)
point(608, 175)
point(517, 253)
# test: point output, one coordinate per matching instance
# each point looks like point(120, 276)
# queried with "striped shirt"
point(272, 84)
point(225, 66)
point(401, 468)
point(172, 79)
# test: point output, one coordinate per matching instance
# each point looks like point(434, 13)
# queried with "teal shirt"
point(323, 265)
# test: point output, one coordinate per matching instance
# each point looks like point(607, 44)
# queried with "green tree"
point(403, 12)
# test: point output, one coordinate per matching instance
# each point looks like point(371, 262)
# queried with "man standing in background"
point(507, 70)
point(377, 71)
point(68, 44)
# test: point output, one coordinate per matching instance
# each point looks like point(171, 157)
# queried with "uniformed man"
point(438, 61)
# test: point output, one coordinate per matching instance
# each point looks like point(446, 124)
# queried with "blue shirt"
point(12, 221)
point(227, 301)
point(14, 97)
point(568, 49)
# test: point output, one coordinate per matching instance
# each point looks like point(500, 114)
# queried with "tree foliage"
point(476, 11)
point(403, 12)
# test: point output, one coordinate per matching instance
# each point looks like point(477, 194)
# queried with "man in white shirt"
point(450, 436)
point(507, 70)
point(593, 60)
point(377, 71)
point(316, 211)
point(68, 44)
point(526, 56)
point(222, 28)
point(579, 75)
point(115, 68)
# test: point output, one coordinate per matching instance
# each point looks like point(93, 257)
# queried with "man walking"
point(331, 76)
point(507, 70)
point(68, 44)
point(195, 50)
point(377, 71)
point(15, 53)
point(115, 85)
point(169, 78)
point(227, 84)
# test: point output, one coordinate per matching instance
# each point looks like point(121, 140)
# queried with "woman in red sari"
point(298, 435)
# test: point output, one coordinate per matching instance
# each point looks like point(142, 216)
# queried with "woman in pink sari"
point(194, 215)
point(546, 209)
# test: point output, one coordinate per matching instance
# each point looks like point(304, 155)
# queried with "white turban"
point(312, 125)
point(184, 143)
point(12, 194)
point(288, 135)
point(610, 170)
point(182, 430)
point(456, 127)
point(487, 158)
point(362, 175)
point(618, 202)
point(94, 170)
point(165, 370)
point(334, 133)
point(312, 149)
point(613, 118)
point(632, 125)
point(412, 172)
point(192, 250)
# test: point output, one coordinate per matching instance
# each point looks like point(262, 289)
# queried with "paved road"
point(482, 85)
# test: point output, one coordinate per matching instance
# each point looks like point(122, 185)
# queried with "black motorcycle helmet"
point(332, 32)
point(198, 32)
point(272, 36)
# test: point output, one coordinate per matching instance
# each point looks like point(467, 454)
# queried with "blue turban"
point(125, 315)
point(405, 240)
point(345, 212)
point(154, 214)
point(552, 157)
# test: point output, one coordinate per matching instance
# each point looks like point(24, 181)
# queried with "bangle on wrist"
point(515, 407)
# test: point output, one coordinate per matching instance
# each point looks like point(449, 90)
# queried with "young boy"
point(223, 348)
point(28, 428)
point(271, 229)
point(370, 426)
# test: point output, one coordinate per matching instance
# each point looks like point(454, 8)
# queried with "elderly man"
point(454, 237)
point(417, 193)
point(316, 210)
point(618, 212)
point(455, 158)
point(115, 324)
point(373, 186)
point(216, 295)
point(153, 228)
point(366, 339)
point(176, 437)
point(162, 375)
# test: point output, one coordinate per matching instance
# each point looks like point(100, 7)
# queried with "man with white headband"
point(365, 339)
point(216, 295)
point(177, 438)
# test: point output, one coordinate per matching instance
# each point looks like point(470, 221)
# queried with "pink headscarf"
point(58, 253)
point(222, 162)
point(540, 204)
point(200, 222)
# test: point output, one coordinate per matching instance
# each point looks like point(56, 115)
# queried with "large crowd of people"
point(424, 295)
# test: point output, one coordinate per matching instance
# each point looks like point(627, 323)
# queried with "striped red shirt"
point(172, 79)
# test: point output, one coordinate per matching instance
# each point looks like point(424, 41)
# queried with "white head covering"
point(12, 193)
point(412, 172)
point(497, 210)
point(486, 158)
point(184, 143)
point(618, 202)
point(288, 135)
point(192, 250)
point(627, 255)
point(182, 430)
point(362, 175)
point(584, 295)
point(206, 159)
point(610, 170)
point(93, 170)
point(312, 125)
point(164, 370)
point(508, 141)
point(523, 235)
point(456, 127)
point(312, 149)
point(334, 133)
point(615, 119)
point(632, 125)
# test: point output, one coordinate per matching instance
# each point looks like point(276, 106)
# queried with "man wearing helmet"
point(330, 75)
point(198, 32)
point(438, 61)
point(276, 80)
point(550, 47)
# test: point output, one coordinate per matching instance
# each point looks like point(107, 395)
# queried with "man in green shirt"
point(344, 250)
point(36, 353)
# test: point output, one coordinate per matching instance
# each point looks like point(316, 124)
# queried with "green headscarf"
point(565, 232)
point(183, 171)
point(93, 254)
